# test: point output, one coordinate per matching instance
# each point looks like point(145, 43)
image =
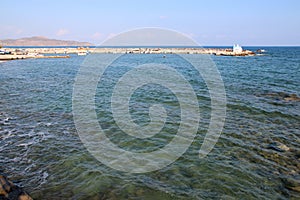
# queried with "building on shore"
point(237, 48)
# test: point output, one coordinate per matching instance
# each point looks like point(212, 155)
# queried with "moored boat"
point(82, 53)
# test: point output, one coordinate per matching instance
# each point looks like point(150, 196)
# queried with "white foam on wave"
point(6, 134)
point(47, 124)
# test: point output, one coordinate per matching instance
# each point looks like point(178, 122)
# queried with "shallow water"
point(41, 150)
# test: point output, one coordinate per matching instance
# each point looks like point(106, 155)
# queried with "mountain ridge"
point(41, 41)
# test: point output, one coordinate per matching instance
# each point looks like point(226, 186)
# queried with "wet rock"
point(292, 97)
point(9, 191)
point(277, 146)
point(292, 183)
point(282, 96)
point(296, 188)
point(283, 147)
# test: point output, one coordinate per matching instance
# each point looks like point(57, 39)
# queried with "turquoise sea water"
point(256, 157)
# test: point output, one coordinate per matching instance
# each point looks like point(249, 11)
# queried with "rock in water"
point(9, 191)
point(277, 146)
point(292, 97)
point(282, 96)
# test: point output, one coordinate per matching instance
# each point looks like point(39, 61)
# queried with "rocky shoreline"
point(10, 191)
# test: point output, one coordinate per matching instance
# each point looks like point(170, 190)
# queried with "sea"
point(257, 155)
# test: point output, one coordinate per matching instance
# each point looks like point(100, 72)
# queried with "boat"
point(34, 55)
point(260, 50)
point(4, 52)
point(82, 53)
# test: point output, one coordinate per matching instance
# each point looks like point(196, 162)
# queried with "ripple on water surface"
point(257, 155)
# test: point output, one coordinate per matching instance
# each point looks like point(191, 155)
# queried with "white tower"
point(237, 48)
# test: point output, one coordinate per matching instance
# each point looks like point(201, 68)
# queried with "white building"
point(237, 48)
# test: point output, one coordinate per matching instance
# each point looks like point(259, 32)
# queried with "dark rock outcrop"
point(10, 191)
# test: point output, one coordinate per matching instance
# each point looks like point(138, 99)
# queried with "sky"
point(209, 22)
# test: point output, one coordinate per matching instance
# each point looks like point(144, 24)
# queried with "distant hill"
point(41, 41)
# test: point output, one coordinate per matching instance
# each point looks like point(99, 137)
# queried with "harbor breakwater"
point(136, 50)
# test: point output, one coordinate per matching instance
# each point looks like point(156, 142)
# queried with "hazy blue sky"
point(209, 22)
